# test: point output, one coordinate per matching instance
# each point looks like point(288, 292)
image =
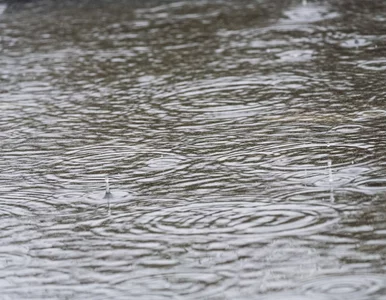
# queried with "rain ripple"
point(234, 220)
point(225, 97)
point(128, 165)
point(360, 286)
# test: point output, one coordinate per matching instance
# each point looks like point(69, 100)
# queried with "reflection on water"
point(243, 142)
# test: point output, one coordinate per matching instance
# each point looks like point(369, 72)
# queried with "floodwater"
point(244, 143)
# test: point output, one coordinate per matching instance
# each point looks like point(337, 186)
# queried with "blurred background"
point(244, 142)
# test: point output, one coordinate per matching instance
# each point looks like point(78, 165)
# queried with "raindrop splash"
point(108, 196)
point(330, 180)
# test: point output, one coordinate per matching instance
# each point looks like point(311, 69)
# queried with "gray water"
point(244, 142)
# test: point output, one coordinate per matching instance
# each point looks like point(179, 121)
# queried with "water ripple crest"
point(236, 220)
point(346, 287)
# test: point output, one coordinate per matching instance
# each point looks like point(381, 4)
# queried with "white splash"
point(330, 180)
point(108, 195)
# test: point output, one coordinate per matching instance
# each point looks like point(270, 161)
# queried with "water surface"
point(244, 143)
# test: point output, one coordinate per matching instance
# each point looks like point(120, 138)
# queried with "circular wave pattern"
point(346, 287)
point(180, 283)
point(87, 166)
point(286, 296)
point(226, 97)
point(233, 219)
point(101, 158)
point(314, 156)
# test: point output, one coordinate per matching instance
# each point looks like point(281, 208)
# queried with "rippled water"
point(244, 143)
